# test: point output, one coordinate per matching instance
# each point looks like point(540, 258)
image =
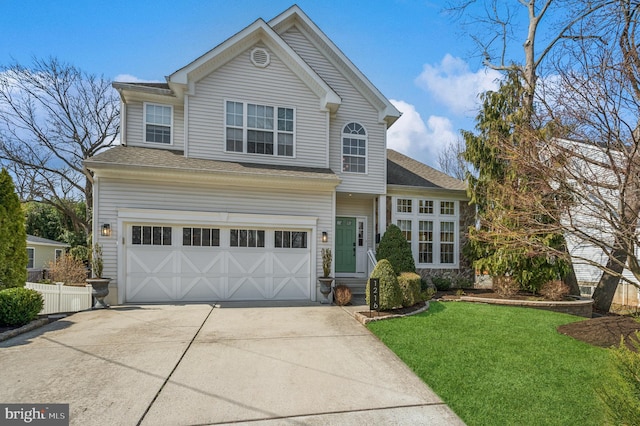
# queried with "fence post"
point(90, 293)
point(59, 287)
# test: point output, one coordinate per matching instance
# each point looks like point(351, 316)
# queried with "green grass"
point(497, 365)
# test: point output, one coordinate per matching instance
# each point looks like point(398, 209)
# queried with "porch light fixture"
point(106, 230)
point(325, 236)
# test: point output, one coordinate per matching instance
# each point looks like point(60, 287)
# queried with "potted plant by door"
point(99, 284)
point(325, 280)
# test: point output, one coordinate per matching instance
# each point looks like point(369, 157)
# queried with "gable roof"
point(294, 16)
point(186, 76)
point(405, 171)
point(163, 161)
point(45, 241)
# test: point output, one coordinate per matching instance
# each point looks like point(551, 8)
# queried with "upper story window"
point(31, 254)
point(259, 129)
point(158, 120)
point(354, 148)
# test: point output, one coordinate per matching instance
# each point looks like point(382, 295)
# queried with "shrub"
point(442, 283)
point(13, 237)
point(395, 248)
point(620, 393)
point(68, 270)
point(410, 285)
point(390, 293)
point(505, 286)
point(554, 290)
point(342, 295)
point(20, 305)
point(427, 294)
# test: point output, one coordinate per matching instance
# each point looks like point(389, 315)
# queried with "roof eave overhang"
point(462, 193)
point(135, 92)
point(228, 178)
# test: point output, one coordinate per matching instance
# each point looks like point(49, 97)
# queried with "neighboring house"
point(235, 173)
point(41, 251)
point(595, 189)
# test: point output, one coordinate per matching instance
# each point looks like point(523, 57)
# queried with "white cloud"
point(452, 83)
point(422, 141)
point(128, 78)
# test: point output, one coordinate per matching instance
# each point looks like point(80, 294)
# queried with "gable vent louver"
point(260, 57)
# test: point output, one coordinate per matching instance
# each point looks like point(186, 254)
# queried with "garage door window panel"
point(246, 238)
point(151, 235)
point(290, 239)
point(201, 237)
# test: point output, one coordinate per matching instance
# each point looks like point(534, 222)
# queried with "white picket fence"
point(62, 298)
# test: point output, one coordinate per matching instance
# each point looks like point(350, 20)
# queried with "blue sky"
point(412, 51)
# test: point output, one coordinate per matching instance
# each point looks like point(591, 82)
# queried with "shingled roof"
point(151, 158)
point(405, 171)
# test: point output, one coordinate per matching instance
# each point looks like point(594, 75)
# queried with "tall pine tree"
point(13, 237)
point(500, 244)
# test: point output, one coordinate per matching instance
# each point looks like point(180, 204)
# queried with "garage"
point(168, 262)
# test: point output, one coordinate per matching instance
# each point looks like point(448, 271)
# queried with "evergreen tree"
point(13, 237)
point(501, 245)
point(395, 248)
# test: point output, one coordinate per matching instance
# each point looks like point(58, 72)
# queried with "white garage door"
point(169, 263)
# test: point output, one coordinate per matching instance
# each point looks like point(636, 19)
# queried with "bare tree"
point(584, 168)
point(451, 160)
point(52, 117)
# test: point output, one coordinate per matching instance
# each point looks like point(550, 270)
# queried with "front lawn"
point(501, 365)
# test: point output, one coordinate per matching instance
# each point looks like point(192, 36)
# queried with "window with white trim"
point(403, 205)
point(158, 121)
point(431, 226)
point(201, 237)
point(354, 148)
point(31, 254)
point(246, 238)
point(259, 129)
point(58, 254)
point(290, 239)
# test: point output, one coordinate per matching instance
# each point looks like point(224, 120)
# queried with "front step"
point(357, 286)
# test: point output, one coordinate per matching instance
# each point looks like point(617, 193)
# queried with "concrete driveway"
point(200, 364)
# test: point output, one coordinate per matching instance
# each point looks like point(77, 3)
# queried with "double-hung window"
point(259, 129)
point(158, 121)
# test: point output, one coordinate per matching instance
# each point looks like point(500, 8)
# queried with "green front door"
point(346, 244)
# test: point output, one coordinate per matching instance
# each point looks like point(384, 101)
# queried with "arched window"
point(354, 148)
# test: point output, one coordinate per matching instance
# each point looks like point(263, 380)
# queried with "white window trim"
point(415, 216)
point(245, 129)
point(33, 264)
point(144, 124)
point(366, 147)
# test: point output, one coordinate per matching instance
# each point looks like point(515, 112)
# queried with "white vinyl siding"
point(127, 193)
point(275, 85)
point(354, 108)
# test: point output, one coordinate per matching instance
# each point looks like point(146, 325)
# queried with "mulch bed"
point(604, 331)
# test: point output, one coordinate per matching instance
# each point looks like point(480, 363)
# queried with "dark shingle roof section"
point(154, 85)
point(405, 171)
point(170, 159)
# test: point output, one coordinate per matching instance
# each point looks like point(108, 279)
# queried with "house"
point(41, 251)
point(593, 171)
point(235, 173)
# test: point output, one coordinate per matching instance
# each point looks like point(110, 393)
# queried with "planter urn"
point(100, 290)
point(325, 289)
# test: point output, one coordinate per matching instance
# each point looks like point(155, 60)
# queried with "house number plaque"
point(374, 294)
